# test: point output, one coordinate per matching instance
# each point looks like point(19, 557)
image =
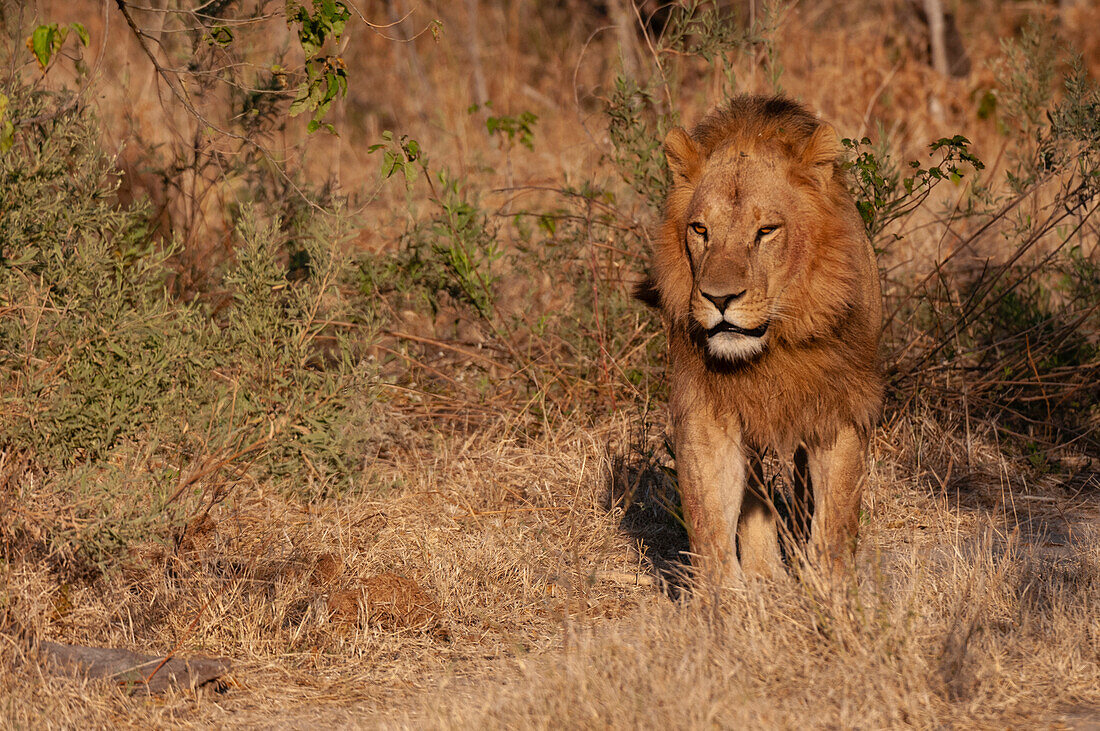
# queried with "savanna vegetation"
point(318, 352)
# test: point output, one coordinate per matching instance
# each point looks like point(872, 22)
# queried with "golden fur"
point(770, 291)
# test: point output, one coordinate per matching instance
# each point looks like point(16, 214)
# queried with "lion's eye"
point(699, 229)
point(765, 230)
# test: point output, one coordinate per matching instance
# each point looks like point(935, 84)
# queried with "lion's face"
point(741, 236)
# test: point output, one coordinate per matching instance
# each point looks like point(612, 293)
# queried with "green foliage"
point(7, 128)
point(453, 258)
point(703, 29)
point(327, 22)
point(326, 74)
point(708, 31)
point(96, 352)
point(93, 350)
point(1027, 73)
point(885, 194)
point(398, 155)
point(113, 387)
point(1050, 132)
point(110, 507)
point(521, 127)
point(1069, 142)
point(453, 251)
point(637, 130)
point(46, 41)
point(220, 35)
point(290, 371)
point(463, 240)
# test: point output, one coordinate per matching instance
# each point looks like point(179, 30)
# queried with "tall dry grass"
point(980, 635)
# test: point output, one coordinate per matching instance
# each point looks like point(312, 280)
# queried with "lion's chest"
point(783, 400)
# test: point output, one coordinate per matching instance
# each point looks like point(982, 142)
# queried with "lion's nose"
point(722, 301)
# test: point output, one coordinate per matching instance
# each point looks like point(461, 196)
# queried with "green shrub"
point(92, 348)
point(291, 373)
point(133, 405)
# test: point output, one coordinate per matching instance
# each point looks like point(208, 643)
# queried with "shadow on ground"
point(1053, 511)
point(643, 487)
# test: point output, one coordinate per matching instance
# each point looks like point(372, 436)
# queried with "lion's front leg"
point(838, 472)
point(757, 530)
point(710, 465)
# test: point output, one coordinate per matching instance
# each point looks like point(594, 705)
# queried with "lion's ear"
point(822, 152)
point(682, 154)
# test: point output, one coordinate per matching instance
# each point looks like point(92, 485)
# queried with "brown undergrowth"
point(525, 598)
point(473, 558)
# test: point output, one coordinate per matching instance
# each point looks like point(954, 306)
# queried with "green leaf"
point(82, 32)
point(301, 102)
point(42, 43)
point(7, 135)
point(221, 35)
point(332, 87)
point(389, 163)
point(547, 223)
point(340, 21)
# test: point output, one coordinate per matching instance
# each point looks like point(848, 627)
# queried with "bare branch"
point(181, 96)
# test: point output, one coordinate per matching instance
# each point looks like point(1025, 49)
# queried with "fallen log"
point(140, 673)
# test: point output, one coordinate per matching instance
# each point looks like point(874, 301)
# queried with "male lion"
point(770, 291)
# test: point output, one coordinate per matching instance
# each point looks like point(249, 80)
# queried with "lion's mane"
point(820, 368)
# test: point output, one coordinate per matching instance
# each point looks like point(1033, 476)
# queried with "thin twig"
point(448, 346)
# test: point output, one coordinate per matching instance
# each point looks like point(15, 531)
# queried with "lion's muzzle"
point(718, 318)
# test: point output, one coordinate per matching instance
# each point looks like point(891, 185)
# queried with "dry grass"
point(504, 539)
point(491, 567)
point(969, 612)
point(975, 606)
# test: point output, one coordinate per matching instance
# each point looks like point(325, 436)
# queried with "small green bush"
point(289, 368)
point(133, 404)
point(92, 348)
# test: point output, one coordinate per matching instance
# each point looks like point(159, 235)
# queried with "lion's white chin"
point(734, 346)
